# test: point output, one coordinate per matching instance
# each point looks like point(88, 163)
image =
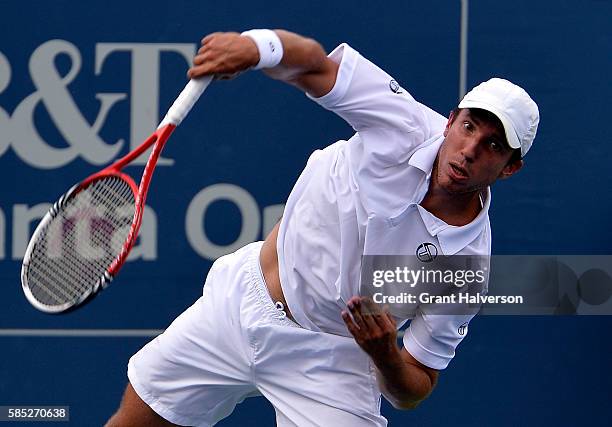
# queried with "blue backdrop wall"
point(82, 82)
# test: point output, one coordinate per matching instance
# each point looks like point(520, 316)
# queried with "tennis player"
point(284, 318)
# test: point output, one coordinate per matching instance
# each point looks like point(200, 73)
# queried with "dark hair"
point(490, 117)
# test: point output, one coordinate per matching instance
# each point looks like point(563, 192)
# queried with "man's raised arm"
point(303, 63)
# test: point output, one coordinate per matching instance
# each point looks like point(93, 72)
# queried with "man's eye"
point(468, 126)
point(495, 146)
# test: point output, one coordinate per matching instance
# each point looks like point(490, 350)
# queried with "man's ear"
point(510, 169)
point(451, 118)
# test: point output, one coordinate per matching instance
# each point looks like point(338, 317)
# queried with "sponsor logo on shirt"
point(395, 87)
point(427, 252)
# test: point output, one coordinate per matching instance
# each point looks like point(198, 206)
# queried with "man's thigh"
point(313, 378)
point(199, 368)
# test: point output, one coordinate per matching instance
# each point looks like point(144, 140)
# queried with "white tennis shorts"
point(234, 343)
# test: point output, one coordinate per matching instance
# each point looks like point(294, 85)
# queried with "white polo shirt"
point(362, 196)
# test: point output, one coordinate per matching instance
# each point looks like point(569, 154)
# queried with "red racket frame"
point(158, 139)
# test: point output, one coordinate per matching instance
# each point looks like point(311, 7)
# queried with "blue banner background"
point(256, 134)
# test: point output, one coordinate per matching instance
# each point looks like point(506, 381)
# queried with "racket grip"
point(185, 101)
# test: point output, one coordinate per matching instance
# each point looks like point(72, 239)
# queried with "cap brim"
point(511, 136)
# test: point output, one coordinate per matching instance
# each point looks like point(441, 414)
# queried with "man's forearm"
point(301, 55)
point(304, 64)
point(404, 384)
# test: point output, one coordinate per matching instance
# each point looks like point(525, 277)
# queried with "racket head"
point(81, 242)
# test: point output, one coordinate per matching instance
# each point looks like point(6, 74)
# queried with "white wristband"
point(269, 46)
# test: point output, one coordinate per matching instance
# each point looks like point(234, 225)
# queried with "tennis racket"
point(86, 236)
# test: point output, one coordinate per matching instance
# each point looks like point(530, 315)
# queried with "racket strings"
point(78, 245)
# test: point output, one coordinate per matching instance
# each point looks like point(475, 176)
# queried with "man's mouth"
point(458, 173)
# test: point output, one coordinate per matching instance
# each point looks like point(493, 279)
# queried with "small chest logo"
point(462, 329)
point(395, 87)
point(427, 252)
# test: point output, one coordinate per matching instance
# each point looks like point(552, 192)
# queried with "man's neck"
point(454, 209)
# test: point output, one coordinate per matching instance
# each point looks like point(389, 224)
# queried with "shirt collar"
point(452, 238)
point(424, 157)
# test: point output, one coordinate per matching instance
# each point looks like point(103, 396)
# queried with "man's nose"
point(470, 149)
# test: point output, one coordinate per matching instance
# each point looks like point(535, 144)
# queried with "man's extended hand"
point(373, 328)
point(224, 55)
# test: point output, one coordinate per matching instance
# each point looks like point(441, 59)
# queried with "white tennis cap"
point(512, 105)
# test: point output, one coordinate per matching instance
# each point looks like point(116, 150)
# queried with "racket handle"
point(185, 101)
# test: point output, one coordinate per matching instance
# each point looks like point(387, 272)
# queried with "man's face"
point(473, 155)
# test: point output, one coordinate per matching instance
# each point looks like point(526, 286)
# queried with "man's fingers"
point(369, 306)
point(385, 323)
point(224, 55)
point(205, 63)
point(385, 320)
point(389, 317)
point(353, 329)
point(361, 315)
point(372, 326)
point(207, 38)
point(198, 59)
point(199, 71)
point(207, 55)
point(356, 313)
point(372, 311)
